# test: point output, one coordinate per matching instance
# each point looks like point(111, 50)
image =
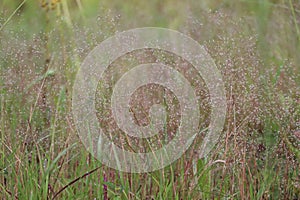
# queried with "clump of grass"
point(257, 156)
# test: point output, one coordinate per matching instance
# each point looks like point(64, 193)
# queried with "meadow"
point(255, 45)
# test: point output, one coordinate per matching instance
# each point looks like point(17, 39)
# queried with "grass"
point(255, 45)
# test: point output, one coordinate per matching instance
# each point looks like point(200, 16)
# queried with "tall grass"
point(255, 45)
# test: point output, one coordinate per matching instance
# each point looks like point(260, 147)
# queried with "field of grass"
point(255, 45)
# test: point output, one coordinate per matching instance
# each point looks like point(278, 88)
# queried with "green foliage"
point(42, 46)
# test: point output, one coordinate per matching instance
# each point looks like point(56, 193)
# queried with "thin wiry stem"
point(15, 11)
